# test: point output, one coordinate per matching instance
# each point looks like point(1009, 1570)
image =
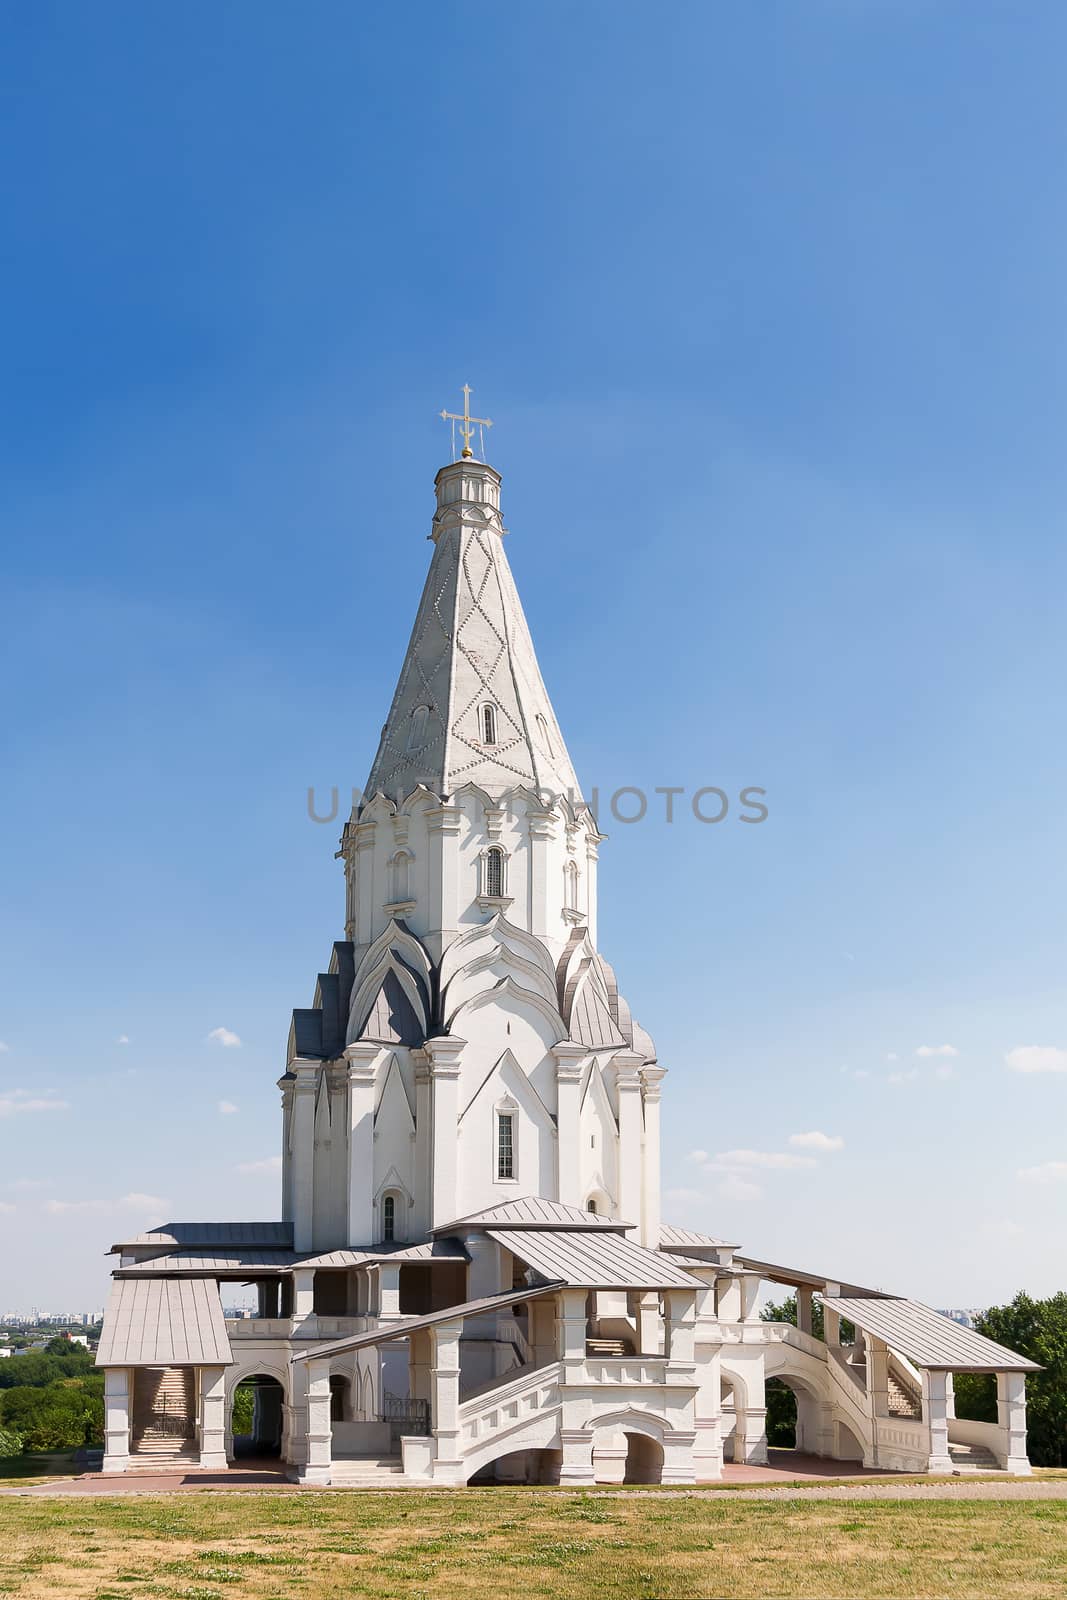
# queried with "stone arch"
point(734, 1405)
point(846, 1445)
point(271, 1386)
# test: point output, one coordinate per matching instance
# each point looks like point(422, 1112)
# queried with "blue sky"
point(766, 303)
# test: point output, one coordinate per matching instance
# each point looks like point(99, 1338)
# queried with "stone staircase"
point(904, 1401)
point(164, 1417)
point(368, 1472)
point(609, 1348)
point(973, 1458)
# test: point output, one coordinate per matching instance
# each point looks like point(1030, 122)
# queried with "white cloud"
point(892, 1056)
point(123, 1038)
point(683, 1198)
point(135, 1202)
point(816, 1141)
point(937, 1050)
point(59, 1208)
point(17, 1101)
point(227, 1108)
point(20, 1185)
point(226, 1037)
point(1037, 1058)
point(142, 1202)
point(697, 1155)
point(255, 1169)
point(6, 1208)
point(769, 1159)
point(1047, 1172)
point(903, 1077)
point(735, 1187)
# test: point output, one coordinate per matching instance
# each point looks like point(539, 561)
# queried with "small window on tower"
point(590, 1206)
point(542, 728)
point(389, 1218)
point(489, 724)
point(505, 1144)
point(417, 728)
point(494, 872)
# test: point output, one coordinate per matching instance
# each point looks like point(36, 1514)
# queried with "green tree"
point(1036, 1329)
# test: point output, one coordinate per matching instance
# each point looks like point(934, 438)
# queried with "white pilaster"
point(545, 893)
point(319, 1457)
point(213, 1418)
point(1011, 1414)
point(570, 1058)
point(362, 1060)
point(444, 1057)
point(652, 1077)
point(443, 825)
point(935, 1415)
point(303, 1296)
point(628, 1088)
point(306, 1074)
point(444, 1380)
point(117, 1400)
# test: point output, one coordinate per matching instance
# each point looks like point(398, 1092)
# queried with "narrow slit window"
point(542, 728)
point(489, 724)
point(505, 1145)
point(388, 1218)
point(494, 872)
point(417, 728)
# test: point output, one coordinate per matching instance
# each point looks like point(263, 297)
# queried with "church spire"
point(470, 704)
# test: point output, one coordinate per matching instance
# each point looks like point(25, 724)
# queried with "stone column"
point(577, 1464)
point(543, 1330)
point(420, 1221)
point(651, 1078)
point(751, 1283)
point(831, 1324)
point(444, 1375)
point(649, 1323)
point(117, 1402)
point(571, 1329)
point(319, 1458)
point(728, 1296)
point(680, 1332)
point(707, 1447)
point(389, 1290)
point(805, 1294)
point(213, 1418)
point(420, 1364)
point(570, 1059)
point(303, 1298)
point(444, 1057)
point(877, 1375)
point(303, 1153)
point(628, 1088)
point(1011, 1414)
point(362, 1059)
point(935, 1416)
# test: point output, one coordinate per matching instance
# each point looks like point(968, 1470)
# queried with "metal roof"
point(671, 1238)
point(188, 1235)
point(926, 1337)
point(533, 1212)
point(164, 1323)
point(259, 1263)
point(796, 1278)
point(400, 1329)
point(589, 1260)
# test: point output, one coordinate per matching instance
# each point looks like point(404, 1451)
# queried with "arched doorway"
point(256, 1416)
point(644, 1459)
point(340, 1398)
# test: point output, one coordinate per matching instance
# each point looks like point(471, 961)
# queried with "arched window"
point(542, 728)
point(590, 1205)
point(488, 721)
point(494, 872)
point(505, 1144)
point(400, 885)
point(570, 885)
point(389, 1218)
point(417, 728)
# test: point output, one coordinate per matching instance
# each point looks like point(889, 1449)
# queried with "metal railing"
point(405, 1417)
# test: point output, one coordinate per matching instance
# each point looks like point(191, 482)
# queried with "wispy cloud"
point(24, 1185)
point(697, 1155)
point(903, 1077)
point(1036, 1058)
point(937, 1050)
point(123, 1038)
point(257, 1169)
point(141, 1204)
point(1046, 1172)
point(226, 1037)
point(17, 1102)
point(4, 1048)
point(734, 1187)
point(769, 1160)
point(816, 1141)
point(892, 1056)
point(227, 1108)
point(945, 1069)
point(681, 1199)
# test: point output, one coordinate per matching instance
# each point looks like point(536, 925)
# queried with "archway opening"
point(644, 1459)
point(256, 1416)
point(781, 1416)
point(340, 1399)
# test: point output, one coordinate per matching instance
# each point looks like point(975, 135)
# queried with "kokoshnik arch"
point(470, 1275)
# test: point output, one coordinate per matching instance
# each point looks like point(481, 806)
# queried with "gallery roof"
point(163, 1323)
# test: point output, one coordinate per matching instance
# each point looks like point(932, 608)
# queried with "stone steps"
point(973, 1458)
point(368, 1472)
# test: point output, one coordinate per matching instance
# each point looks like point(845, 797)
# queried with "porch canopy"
point(164, 1322)
point(263, 1262)
point(401, 1327)
point(926, 1337)
point(585, 1259)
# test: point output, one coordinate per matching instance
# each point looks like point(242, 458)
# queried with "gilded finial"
point(467, 423)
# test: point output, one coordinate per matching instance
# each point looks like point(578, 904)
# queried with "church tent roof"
point(587, 1259)
point(164, 1323)
point(534, 1212)
point(926, 1337)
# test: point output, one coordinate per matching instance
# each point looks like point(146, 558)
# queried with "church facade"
point(470, 1276)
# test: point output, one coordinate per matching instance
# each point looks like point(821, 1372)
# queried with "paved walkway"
point(787, 1476)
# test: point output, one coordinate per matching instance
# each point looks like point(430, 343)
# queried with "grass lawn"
point(499, 1543)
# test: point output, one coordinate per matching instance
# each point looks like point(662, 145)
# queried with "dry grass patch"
point(486, 1545)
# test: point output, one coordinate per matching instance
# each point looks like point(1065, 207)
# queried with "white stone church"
point(470, 1276)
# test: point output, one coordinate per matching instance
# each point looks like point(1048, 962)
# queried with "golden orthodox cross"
point(467, 423)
